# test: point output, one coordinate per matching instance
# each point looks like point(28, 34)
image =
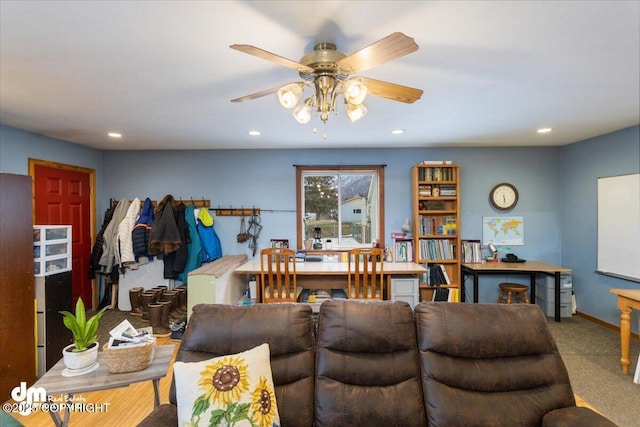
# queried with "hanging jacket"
point(193, 244)
point(96, 252)
point(124, 248)
point(182, 253)
point(140, 232)
point(164, 236)
point(107, 260)
point(211, 248)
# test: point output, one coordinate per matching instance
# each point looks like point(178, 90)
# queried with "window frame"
point(302, 169)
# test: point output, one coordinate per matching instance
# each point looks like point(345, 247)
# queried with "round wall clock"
point(504, 196)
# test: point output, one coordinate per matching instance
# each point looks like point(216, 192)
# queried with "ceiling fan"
point(328, 72)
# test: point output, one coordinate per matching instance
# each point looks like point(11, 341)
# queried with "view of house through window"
point(340, 207)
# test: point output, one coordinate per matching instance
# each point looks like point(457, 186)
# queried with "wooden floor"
point(127, 406)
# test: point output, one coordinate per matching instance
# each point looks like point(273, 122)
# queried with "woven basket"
point(128, 359)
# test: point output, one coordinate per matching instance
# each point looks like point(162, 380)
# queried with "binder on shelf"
point(445, 295)
point(471, 251)
point(447, 280)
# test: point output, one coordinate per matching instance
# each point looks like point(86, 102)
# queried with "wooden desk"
point(628, 299)
point(327, 274)
point(101, 379)
point(530, 268)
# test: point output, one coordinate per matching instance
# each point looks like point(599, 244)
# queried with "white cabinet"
point(405, 288)
point(51, 249)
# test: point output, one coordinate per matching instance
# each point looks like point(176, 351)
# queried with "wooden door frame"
point(92, 202)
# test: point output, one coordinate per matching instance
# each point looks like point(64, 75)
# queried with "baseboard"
point(603, 323)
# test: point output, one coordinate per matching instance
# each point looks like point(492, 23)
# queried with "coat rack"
point(236, 211)
point(198, 203)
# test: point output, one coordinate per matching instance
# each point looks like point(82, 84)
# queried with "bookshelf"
point(435, 194)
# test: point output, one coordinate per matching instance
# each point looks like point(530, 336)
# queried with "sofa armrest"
point(163, 415)
point(575, 416)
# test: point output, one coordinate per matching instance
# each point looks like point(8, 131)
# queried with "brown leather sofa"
point(382, 364)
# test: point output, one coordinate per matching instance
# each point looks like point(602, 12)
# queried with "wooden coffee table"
point(101, 379)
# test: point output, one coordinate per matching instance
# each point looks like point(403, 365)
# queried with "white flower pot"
point(75, 360)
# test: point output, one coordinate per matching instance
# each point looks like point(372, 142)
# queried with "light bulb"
point(354, 91)
point(356, 112)
point(290, 94)
point(302, 113)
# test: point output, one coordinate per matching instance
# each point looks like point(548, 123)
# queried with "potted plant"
point(83, 353)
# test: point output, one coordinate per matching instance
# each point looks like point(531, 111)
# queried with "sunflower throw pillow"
point(235, 390)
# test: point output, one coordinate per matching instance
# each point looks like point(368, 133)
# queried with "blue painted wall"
point(583, 163)
point(18, 146)
point(548, 180)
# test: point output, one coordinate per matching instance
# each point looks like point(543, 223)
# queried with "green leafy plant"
point(85, 332)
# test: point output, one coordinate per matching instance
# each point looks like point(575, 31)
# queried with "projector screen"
point(619, 226)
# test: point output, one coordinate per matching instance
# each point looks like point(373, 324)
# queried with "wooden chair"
point(278, 275)
point(366, 275)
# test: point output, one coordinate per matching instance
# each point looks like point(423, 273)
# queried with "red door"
point(63, 197)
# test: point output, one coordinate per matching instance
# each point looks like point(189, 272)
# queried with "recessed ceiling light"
point(254, 133)
point(544, 130)
point(397, 131)
point(114, 135)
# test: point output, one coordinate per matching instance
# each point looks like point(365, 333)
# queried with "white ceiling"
point(162, 72)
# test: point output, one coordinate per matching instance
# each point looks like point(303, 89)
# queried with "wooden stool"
point(520, 291)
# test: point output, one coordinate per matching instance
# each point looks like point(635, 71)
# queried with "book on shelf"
point(471, 251)
point(402, 247)
point(434, 249)
point(435, 162)
point(445, 295)
point(447, 280)
point(434, 276)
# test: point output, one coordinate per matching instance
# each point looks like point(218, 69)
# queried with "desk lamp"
point(494, 252)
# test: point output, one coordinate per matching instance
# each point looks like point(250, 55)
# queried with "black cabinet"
point(53, 294)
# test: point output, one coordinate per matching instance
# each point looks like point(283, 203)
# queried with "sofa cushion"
point(499, 362)
point(216, 330)
point(575, 416)
point(233, 387)
point(367, 365)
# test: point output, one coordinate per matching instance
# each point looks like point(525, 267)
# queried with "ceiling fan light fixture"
point(303, 112)
point(355, 112)
point(290, 94)
point(354, 91)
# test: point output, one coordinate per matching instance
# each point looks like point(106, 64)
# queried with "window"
point(343, 204)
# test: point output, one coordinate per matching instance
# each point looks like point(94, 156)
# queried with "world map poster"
point(503, 230)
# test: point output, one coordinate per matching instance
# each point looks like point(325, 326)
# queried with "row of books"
point(433, 249)
point(446, 294)
point(426, 190)
point(437, 225)
point(471, 251)
point(436, 275)
point(436, 174)
point(403, 250)
point(447, 190)
point(435, 162)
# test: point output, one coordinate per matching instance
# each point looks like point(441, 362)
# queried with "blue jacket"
point(211, 248)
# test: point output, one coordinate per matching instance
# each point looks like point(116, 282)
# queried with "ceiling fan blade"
point(257, 94)
point(391, 47)
point(261, 53)
point(391, 90)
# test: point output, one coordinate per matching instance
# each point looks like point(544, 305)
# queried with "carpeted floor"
point(590, 351)
point(591, 354)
